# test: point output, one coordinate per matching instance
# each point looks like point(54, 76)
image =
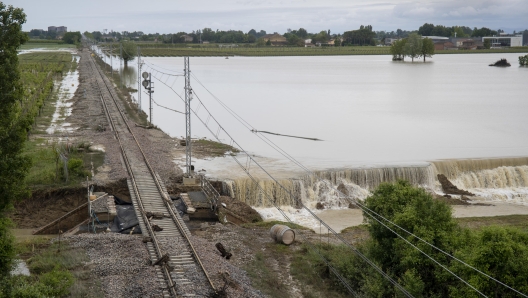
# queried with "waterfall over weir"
point(502, 179)
point(498, 179)
point(321, 186)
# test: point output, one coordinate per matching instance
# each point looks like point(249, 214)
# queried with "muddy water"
point(343, 218)
point(372, 114)
point(367, 109)
point(66, 90)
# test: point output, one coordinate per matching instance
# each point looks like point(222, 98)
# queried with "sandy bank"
point(340, 219)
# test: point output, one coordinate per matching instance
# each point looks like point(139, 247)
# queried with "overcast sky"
point(171, 16)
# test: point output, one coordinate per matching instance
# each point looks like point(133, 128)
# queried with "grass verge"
point(46, 45)
point(515, 221)
point(213, 148)
point(57, 270)
point(47, 170)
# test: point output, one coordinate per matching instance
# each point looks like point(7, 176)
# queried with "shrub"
point(7, 249)
point(523, 60)
point(56, 282)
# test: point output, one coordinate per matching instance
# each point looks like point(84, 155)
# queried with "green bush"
point(55, 283)
point(76, 166)
point(23, 287)
point(523, 60)
point(7, 248)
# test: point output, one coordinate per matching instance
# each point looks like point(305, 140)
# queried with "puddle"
point(20, 268)
point(67, 88)
point(35, 50)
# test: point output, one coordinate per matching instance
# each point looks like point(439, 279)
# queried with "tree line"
point(364, 35)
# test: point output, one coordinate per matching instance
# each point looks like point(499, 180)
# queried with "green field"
point(152, 50)
point(260, 51)
point(46, 45)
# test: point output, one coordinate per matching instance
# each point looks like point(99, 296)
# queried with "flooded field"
point(378, 120)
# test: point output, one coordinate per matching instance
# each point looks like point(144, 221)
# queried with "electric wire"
point(246, 124)
point(403, 290)
point(168, 74)
point(370, 212)
point(354, 202)
point(154, 65)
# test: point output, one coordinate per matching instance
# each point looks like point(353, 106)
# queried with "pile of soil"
point(450, 188)
point(236, 212)
point(44, 206)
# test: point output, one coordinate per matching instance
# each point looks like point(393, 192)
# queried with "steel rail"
point(166, 199)
point(165, 270)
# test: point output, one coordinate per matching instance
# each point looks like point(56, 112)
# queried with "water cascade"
point(500, 179)
point(456, 167)
point(321, 186)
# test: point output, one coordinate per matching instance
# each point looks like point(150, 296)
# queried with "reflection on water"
point(129, 75)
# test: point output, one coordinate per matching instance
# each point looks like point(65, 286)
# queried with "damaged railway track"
point(167, 238)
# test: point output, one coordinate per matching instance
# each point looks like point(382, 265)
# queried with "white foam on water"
point(298, 216)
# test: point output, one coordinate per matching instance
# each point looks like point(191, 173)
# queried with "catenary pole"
point(139, 77)
point(120, 62)
point(188, 97)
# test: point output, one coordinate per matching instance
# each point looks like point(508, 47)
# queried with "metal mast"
point(139, 77)
point(188, 98)
point(120, 64)
point(150, 91)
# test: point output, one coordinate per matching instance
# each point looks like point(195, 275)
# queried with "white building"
point(505, 40)
point(390, 41)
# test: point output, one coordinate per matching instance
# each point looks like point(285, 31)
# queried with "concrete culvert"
point(282, 234)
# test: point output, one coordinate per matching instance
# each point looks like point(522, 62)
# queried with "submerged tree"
point(398, 49)
point(13, 124)
point(128, 51)
point(413, 46)
point(428, 48)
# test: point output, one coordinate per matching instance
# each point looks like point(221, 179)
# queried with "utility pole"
point(150, 91)
point(111, 54)
point(148, 84)
point(188, 98)
point(120, 61)
point(139, 77)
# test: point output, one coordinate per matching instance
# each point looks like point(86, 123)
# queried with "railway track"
point(178, 266)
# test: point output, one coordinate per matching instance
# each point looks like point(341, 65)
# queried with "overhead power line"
point(216, 135)
point(370, 212)
point(278, 134)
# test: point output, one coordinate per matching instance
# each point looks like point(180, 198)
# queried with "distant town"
point(444, 38)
